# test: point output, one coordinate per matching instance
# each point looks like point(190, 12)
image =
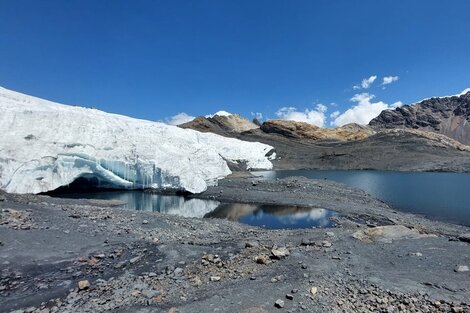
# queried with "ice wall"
point(46, 145)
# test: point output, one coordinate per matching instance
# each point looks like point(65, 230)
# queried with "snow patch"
point(46, 145)
point(219, 113)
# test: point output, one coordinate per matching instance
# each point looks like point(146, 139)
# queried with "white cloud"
point(179, 119)
point(366, 83)
point(316, 116)
point(364, 110)
point(335, 114)
point(389, 79)
point(257, 115)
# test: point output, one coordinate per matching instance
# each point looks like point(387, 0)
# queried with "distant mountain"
point(222, 123)
point(301, 130)
point(231, 125)
point(449, 116)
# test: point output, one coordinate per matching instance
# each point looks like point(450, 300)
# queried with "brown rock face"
point(301, 130)
point(222, 125)
point(449, 116)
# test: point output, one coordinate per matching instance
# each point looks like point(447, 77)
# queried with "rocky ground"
point(59, 255)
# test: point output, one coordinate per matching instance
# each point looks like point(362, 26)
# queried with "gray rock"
point(150, 293)
point(215, 278)
point(178, 271)
point(280, 252)
point(279, 303)
point(135, 259)
point(83, 284)
point(461, 268)
point(252, 244)
point(465, 237)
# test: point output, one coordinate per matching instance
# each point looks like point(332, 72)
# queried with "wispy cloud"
point(366, 83)
point(257, 115)
point(335, 114)
point(389, 79)
point(315, 116)
point(179, 119)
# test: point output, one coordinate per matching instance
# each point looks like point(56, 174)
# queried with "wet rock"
point(83, 284)
point(279, 303)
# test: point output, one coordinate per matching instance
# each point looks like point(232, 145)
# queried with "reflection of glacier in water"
point(268, 216)
point(274, 216)
point(147, 201)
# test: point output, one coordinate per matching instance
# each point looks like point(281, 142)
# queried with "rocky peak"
point(449, 116)
point(222, 124)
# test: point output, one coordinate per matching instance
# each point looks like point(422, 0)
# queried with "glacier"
point(46, 145)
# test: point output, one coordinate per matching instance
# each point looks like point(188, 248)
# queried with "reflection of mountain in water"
point(269, 216)
point(274, 216)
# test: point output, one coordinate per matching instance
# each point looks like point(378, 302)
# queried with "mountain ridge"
point(448, 115)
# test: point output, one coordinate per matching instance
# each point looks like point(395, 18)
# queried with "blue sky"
point(154, 59)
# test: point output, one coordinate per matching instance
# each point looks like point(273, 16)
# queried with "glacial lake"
point(441, 196)
point(267, 216)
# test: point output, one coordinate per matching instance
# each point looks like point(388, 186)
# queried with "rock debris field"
point(63, 255)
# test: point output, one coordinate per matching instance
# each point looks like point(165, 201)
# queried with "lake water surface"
point(267, 216)
point(442, 196)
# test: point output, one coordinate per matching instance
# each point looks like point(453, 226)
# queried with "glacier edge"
point(46, 145)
